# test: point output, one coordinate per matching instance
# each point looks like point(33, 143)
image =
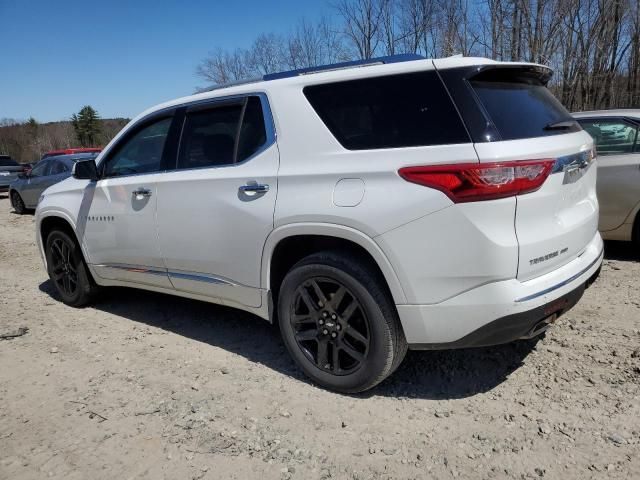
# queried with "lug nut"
point(320, 304)
point(334, 334)
point(325, 331)
point(325, 314)
point(321, 322)
point(333, 317)
point(338, 327)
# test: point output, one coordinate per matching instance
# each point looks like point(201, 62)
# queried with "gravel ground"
point(142, 385)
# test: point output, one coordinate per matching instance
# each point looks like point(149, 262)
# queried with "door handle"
point(254, 188)
point(141, 192)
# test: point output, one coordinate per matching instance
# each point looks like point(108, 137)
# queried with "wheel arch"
point(48, 222)
point(289, 243)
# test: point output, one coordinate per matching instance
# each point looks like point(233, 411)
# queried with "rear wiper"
point(563, 125)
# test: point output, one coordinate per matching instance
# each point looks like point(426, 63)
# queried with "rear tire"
point(68, 270)
point(17, 203)
point(339, 323)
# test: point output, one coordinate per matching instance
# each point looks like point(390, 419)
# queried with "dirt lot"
point(149, 386)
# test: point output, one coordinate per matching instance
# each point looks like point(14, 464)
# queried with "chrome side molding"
point(177, 274)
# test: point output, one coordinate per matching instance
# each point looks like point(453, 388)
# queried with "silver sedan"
point(26, 190)
point(615, 133)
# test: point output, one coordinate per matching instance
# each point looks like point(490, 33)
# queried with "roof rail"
point(405, 57)
point(229, 84)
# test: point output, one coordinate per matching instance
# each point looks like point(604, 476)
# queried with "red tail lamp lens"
point(472, 182)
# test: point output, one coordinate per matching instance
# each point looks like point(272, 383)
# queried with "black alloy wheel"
point(330, 325)
point(63, 270)
point(67, 269)
point(17, 203)
point(338, 321)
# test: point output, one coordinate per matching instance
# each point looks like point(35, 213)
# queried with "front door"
point(120, 230)
point(36, 183)
point(215, 210)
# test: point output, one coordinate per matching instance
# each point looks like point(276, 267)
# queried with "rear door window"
point(223, 134)
point(393, 111)
point(520, 106)
point(612, 136)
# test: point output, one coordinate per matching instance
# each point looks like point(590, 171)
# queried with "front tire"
point(67, 269)
point(17, 203)
point(339, 323)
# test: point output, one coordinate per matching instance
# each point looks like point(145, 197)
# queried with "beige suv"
point(615, 133)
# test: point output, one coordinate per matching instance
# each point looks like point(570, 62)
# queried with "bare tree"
point(593, 45)
point(362, 20)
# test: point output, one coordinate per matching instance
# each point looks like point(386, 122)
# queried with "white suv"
point(366, 207)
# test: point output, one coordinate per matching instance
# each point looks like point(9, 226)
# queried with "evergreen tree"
point(86, 124)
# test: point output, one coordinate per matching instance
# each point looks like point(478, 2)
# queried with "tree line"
point(592, 45)
point(26, 141)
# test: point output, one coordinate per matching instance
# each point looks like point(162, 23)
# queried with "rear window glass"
point(394, 111)
point(520, 106)
point(8, 162)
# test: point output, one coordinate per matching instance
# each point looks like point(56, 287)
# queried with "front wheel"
point(17, 203)
point(67, 269)
point(338, 322)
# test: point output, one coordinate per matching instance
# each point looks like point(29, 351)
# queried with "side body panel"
point(618, 189)
point(211, 233)
point(120, 232)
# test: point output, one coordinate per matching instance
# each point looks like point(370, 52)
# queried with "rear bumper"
point(503, 311)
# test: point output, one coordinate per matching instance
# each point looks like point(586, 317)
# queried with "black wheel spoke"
point(297, 319)
point(337, 297)
point(335, 363)
point(319, 293)
point(350, 310)
point(356, 335)
point(306, 335)
point(57, 250)
point(324, 312)
point(352, 352)
point(306, 298)
point(322, 360)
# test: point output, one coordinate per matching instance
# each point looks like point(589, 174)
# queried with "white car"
point(367, 207)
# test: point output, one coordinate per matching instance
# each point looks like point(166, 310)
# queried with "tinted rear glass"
point(520, 106)
point(7, 162)
point(394, 111)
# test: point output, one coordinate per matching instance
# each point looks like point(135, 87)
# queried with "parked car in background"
point(9, 171)
point(25, 191)
point(615, 133)
point(70, 151)
point(368, 207)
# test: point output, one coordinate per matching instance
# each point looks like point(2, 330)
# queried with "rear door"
point(618, 168)
point(524, 121)
point(215, 210)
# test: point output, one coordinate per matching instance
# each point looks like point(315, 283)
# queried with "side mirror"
point(85, 170)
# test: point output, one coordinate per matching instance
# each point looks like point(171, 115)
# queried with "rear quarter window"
point(393, 111)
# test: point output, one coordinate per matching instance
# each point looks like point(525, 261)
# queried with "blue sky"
point(121, 56)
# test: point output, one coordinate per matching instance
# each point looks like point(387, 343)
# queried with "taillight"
point(470, 182)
